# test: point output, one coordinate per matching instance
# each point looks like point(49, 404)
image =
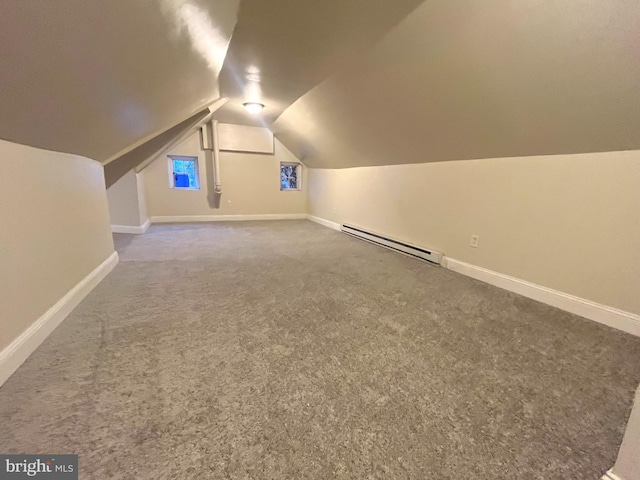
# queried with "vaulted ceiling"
point(463, 79)
point(345, 82)
point(93, 77)
point(281, 49)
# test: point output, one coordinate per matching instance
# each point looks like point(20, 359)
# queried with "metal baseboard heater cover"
point(419, 252)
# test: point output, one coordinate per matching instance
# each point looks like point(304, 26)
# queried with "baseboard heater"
point(419, 252)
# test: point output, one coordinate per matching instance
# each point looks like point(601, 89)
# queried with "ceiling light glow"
point(253, 107)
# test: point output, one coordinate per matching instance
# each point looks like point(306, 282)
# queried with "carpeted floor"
point(285, 350)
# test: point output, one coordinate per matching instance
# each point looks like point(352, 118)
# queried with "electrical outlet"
point(474, 240)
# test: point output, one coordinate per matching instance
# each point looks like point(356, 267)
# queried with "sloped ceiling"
point(464, 79)
point(283, 48)
point(94, 77)
point(117, 168)
point(345, 82)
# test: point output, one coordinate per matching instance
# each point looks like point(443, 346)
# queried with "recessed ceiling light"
point(253, 107)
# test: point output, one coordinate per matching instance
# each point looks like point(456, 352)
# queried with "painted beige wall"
point(243, 138)
point(123, 201)
point(567, 222)
point(54, 231)
point(142, 199)
point(250, 185)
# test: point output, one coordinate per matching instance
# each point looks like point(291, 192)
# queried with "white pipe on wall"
point(209, 144)
point(217, 185)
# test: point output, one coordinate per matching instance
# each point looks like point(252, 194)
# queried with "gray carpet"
point(285, 350)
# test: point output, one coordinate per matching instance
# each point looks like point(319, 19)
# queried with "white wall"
point(244, 138)
point(123, 201)
point(54, 231)
point(127, 204)
point(566, 222)
point(250, 185)
point(142, 199)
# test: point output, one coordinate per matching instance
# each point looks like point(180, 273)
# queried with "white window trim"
point(190, 158)
point(298, 175)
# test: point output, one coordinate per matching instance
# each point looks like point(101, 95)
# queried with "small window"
point(183, 172)
point(290, 176)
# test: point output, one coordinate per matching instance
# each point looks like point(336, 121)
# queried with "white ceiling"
point(468, 80)
point(281, 49)
point(345, 82)
point(93, 77)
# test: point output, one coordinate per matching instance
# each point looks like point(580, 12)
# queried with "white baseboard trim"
point(14, 354)
point(227, 218)
point(619, 319)
point(130, 229)
point(326, 223)
point(610, 476)
point(612, 317)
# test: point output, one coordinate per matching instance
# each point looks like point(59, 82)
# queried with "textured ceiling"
point(93, 77)
point(345, 82)
point(466, 80)
point(283, 48)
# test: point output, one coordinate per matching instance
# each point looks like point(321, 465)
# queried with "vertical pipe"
point(211, 196)
point(216, 160)
point(209, 144)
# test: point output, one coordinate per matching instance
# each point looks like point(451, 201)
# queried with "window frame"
point(298, 166)
point(188, 158)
